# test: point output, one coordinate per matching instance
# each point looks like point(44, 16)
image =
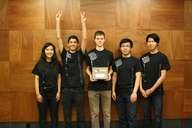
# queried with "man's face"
point(99, 40)
point(125, 48)
point(73, 44)
point(151, 44)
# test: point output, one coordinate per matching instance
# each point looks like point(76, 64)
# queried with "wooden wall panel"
point(3, 14)
point(5, 106)
point(4, 46)
point(24, 107)
point(188, 74)
point(25, 25)
point(4, 76)
point(188, 45)
point(188, 14)
point(71, 13)
point(25, 14)
point(133, 14)
point(167, 14)
point(101, 13)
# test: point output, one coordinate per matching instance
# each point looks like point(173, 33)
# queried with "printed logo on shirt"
point(146, 59)
point(68, 55)
point(118, 63)
point(92, 56)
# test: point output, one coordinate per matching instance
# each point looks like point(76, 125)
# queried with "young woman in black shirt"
point(47, 84)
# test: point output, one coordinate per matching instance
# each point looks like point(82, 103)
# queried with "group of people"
point(125, 76)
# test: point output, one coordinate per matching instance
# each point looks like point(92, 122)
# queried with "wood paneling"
point(133, 14)
point(4, 46)
point(24, 107)
point(5, 107)
point(25, 14)
point(4, 76)
point(25, 25)
point(71, 13)
point(188, 45)
point(188, 14)
point(3, 14)
point(101, 13)
point(167, 14)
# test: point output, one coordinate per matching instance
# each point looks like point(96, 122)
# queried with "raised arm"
point(84, 31)
point(58, 30)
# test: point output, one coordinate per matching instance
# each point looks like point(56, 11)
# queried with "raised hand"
point(58, 15)
point(83, 17)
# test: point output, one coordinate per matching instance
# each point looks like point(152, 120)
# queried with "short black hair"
point(73, 37)
point(126, 40)
point(154, 36)
point(99, 33)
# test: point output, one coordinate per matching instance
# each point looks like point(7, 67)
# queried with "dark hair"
point(73, 37)
point(154, 36)
point(99, 33)
point(43, 56)
point(126, 40)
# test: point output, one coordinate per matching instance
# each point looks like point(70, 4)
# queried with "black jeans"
point(126, 112)
point(43, 107)
point(153, 103)
point(75, 96)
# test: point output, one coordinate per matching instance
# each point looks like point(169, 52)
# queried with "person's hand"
point(39, 98)
point(58, 15)
point(133, 97)
point(114, 95)
point(83, 17)
point(148, 92)
point(144, 93)
point(108, 77)
point(92, 78)
point(58, 95)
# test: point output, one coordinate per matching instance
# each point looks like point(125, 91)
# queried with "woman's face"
point(49, 51)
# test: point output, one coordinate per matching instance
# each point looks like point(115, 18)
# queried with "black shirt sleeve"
point(138, 67)
point(114, 67)
point(35, 70)
point(165, 63)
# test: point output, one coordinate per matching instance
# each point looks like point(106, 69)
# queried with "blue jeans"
point(75, 96)
point(126, 111)
point(43, 106)
point(155, 103)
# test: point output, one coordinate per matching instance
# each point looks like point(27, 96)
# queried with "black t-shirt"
point(72, 69)
point(126, 69)
point(97, 58)
point(152, 64)
point(48, 75)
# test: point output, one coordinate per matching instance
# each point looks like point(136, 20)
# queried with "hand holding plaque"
point(100, 73)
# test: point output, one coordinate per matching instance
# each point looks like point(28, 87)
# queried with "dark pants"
point(43, 107)
point(75, 96)
point(126, 112)
point(154, 104)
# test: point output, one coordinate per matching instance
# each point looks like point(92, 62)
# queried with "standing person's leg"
point(42, 107)
point(67, 101)
point(79, 104)
point(53, 112)
point(94, 99)
point(157, 101)
point(122, 111)
point(147, 108)
point(132, 112)
point(106, 107)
